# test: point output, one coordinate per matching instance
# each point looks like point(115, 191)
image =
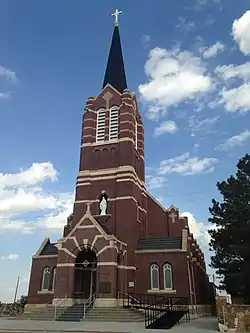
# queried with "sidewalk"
point(203, 325)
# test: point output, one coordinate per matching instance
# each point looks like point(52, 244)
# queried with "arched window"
point(113, 122)
point(154, 276)
point(53, 278)
point(46, 278)
point(167, 276)
point(100, 126)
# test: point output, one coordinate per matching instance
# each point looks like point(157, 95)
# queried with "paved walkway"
point(202, 325)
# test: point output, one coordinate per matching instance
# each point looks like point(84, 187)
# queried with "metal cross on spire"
point(116, 15)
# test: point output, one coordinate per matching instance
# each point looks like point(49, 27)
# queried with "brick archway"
point(88, 235)
point(85, 275)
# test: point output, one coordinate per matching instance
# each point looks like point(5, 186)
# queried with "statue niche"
point(103, 203)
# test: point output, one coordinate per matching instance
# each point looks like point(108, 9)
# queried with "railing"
point(87, 305)
point(58, 304)
point(155, 311)
point(155, 306)
point(144, 301)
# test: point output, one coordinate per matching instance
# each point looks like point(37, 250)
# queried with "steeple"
point(115, 72)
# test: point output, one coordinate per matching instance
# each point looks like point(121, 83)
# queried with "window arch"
point(154, 276)
point(167, 276)
point(100, 125)
point(46, 278)
point(113, 122)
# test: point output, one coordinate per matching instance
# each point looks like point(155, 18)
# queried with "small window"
point(46, 278)
point(154, 275)
point(100, 126)
point(113, 122)
point(167, 276)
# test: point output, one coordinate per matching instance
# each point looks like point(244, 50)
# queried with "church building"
point(119, 239)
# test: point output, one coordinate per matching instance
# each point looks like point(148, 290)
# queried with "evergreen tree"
point(230, 237)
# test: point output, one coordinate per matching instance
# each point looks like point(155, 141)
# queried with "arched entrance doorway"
point(85, 275)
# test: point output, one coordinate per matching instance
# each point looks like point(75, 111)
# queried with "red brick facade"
point(120, 246)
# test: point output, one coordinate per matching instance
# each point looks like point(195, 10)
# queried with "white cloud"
point(155, 181)
point(203, 125)
point(185, 24)
point(236, 99)
point(8, 74)
point(234, 71)
point(168, 126)
point(241, 32)
point(196, 146)
point(5, 95)
point(168, 73)
point(22, 193)
point(234, 141)
point(198, 229)
point(187, 165)
point(37, 173)
point(146, 39)
point(213, 50)
point(12, 256)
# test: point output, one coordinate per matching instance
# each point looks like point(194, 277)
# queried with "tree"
point(22, 301)
point(230, 239)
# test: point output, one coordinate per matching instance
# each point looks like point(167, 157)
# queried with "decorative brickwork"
point(109, 251)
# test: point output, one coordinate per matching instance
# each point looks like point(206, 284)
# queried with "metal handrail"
point(58, 302)
point(89, 303)
point(129, 296)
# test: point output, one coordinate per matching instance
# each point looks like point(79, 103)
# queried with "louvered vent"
point(113, 123)
point(100, 128)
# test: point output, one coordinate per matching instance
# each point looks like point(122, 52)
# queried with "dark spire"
point(115, 72)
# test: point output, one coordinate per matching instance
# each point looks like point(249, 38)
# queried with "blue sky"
point(188, 64)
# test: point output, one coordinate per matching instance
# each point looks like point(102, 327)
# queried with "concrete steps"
point(43, 313)
point(73, 313)
point(118, 314)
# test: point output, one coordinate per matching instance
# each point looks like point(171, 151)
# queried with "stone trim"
point(110, 177)
point(106, 248)
point(184, 242)
point(94, 144)
point(157, 202)
point(132, 268)
point(110, 87)
point(68, 252)
point(172, 207)
point(111, 171)
point(44, 256)
point(65, 265)
point(45, 292)
point(111, 199)
point(44, 243)
point(159, 251)
point(96, 225)
point(163, 291)
point(101, 264)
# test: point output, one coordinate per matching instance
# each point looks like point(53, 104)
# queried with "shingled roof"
point(49, 250)
point(159, 243)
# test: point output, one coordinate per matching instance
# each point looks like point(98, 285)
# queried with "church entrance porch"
point(85, 276)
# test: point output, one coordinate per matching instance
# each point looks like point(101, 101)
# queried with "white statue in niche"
point(103, 206)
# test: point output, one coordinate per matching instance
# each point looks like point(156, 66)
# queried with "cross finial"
point(116, 15)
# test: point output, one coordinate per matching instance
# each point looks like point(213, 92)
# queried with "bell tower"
point(112, 149)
